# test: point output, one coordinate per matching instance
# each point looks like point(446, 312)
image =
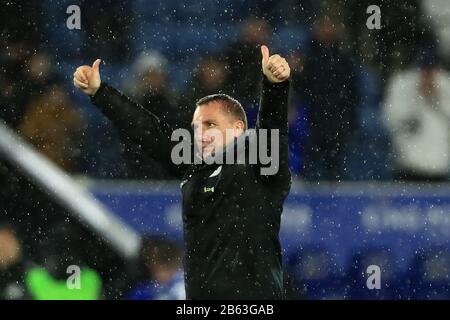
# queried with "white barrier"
point(70, 194)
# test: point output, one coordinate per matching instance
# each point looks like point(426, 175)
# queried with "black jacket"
point(231, 219)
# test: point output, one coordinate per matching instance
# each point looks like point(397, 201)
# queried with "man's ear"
point(239, 127)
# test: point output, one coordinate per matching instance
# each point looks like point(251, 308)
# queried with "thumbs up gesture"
point(274, 67)
point(87, 78)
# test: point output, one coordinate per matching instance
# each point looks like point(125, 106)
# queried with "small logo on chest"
point(208, 189)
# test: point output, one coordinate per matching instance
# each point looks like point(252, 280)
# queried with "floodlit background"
point(369, 143)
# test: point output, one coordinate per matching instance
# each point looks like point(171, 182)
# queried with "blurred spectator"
point(244, 59)
point(39, 73)
point(13, 81)
point(162, 261)
point(54, 127)
point(438, 15)
point(106, 27)
point(20, 21)
point(289, 12)
point(25, 73)
point(327, 87)
point(12, 266)
point(211, 76)
point(394, 46)
point(149, 87)
point(50, 238)
point(417, 113)
point(50, 281)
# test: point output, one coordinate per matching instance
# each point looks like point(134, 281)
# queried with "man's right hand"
point(87, 78)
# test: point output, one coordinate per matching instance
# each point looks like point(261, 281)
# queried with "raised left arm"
point(273, 112)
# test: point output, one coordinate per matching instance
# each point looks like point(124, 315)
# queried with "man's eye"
point(210, 125)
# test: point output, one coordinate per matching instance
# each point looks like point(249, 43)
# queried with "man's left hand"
point(274, 67)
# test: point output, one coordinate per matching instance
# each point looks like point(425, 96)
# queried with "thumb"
point(265, 54)
point(96, 65)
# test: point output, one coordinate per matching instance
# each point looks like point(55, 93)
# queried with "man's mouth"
point(207, 149)
point(205, 145)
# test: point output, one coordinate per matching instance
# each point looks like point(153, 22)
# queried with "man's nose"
point(206, 138)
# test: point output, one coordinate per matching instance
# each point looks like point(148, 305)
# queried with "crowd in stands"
point(365, 104)
point(343, 83)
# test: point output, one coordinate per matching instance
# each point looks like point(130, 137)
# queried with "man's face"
point(210, 123)
point(9, 249)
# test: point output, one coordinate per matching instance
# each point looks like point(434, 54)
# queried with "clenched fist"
point(274, 67)
point(87, 78)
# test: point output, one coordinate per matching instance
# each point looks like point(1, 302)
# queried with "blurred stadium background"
point(369, 138)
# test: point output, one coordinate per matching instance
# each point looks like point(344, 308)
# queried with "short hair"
point(231, 106)
point(157, 250)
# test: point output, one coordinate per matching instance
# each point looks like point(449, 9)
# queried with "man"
point(231, 213)
point(416, 112)
point(327, 86)
point(12, 265)
point(163, 271)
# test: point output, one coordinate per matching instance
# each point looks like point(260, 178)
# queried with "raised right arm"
point(131, 119)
